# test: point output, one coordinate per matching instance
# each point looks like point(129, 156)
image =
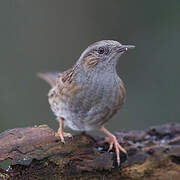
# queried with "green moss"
point(137, 171)
point(4, 176)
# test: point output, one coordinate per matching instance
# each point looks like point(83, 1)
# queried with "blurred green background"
point(49, 35)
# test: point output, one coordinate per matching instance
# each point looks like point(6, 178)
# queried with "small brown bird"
point(86, 96)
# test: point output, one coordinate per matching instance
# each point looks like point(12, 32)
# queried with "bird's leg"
point(112, 140)
point(60, 132)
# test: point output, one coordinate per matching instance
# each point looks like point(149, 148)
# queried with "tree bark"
point(35, 153)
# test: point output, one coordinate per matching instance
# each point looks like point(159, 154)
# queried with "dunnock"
point(89, 94)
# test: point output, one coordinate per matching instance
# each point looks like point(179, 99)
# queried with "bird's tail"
point(49, 77)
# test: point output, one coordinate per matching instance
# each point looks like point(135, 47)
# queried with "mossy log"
point(35, 153)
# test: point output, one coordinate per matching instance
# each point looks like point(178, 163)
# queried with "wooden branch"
point(37, 154)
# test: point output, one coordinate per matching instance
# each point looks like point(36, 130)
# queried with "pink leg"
point(113, 141)
point(60, 132)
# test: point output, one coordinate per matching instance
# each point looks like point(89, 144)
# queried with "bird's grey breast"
point(86, 102)
point(97, 102)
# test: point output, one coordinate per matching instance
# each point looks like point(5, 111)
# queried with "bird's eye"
point(101, 50)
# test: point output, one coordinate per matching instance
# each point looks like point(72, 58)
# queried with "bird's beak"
point(124, 48)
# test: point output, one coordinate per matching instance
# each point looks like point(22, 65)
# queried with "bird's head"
point(101, 55)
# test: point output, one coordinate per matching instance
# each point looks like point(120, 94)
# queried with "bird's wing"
point(49, 77)
point(67, 84)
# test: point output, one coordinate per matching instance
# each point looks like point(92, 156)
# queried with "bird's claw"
point(113, 141)
point(62, 135)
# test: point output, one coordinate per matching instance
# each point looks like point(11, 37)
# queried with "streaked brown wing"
point(67, 85)
point(123, 91)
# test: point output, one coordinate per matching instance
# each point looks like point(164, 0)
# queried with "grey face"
point(102, 53)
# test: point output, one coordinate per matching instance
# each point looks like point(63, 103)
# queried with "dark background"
point(49, 35)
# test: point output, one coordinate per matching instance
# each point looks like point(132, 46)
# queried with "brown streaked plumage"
point(86, 96)
point(123, 90)
point(90, 62)
point(67, 76)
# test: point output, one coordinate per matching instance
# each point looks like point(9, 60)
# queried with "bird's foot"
point(62, 135)
point(60, 132)
point(112, 140)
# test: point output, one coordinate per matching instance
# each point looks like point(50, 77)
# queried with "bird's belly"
point(85, 121)
point(86, 112)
